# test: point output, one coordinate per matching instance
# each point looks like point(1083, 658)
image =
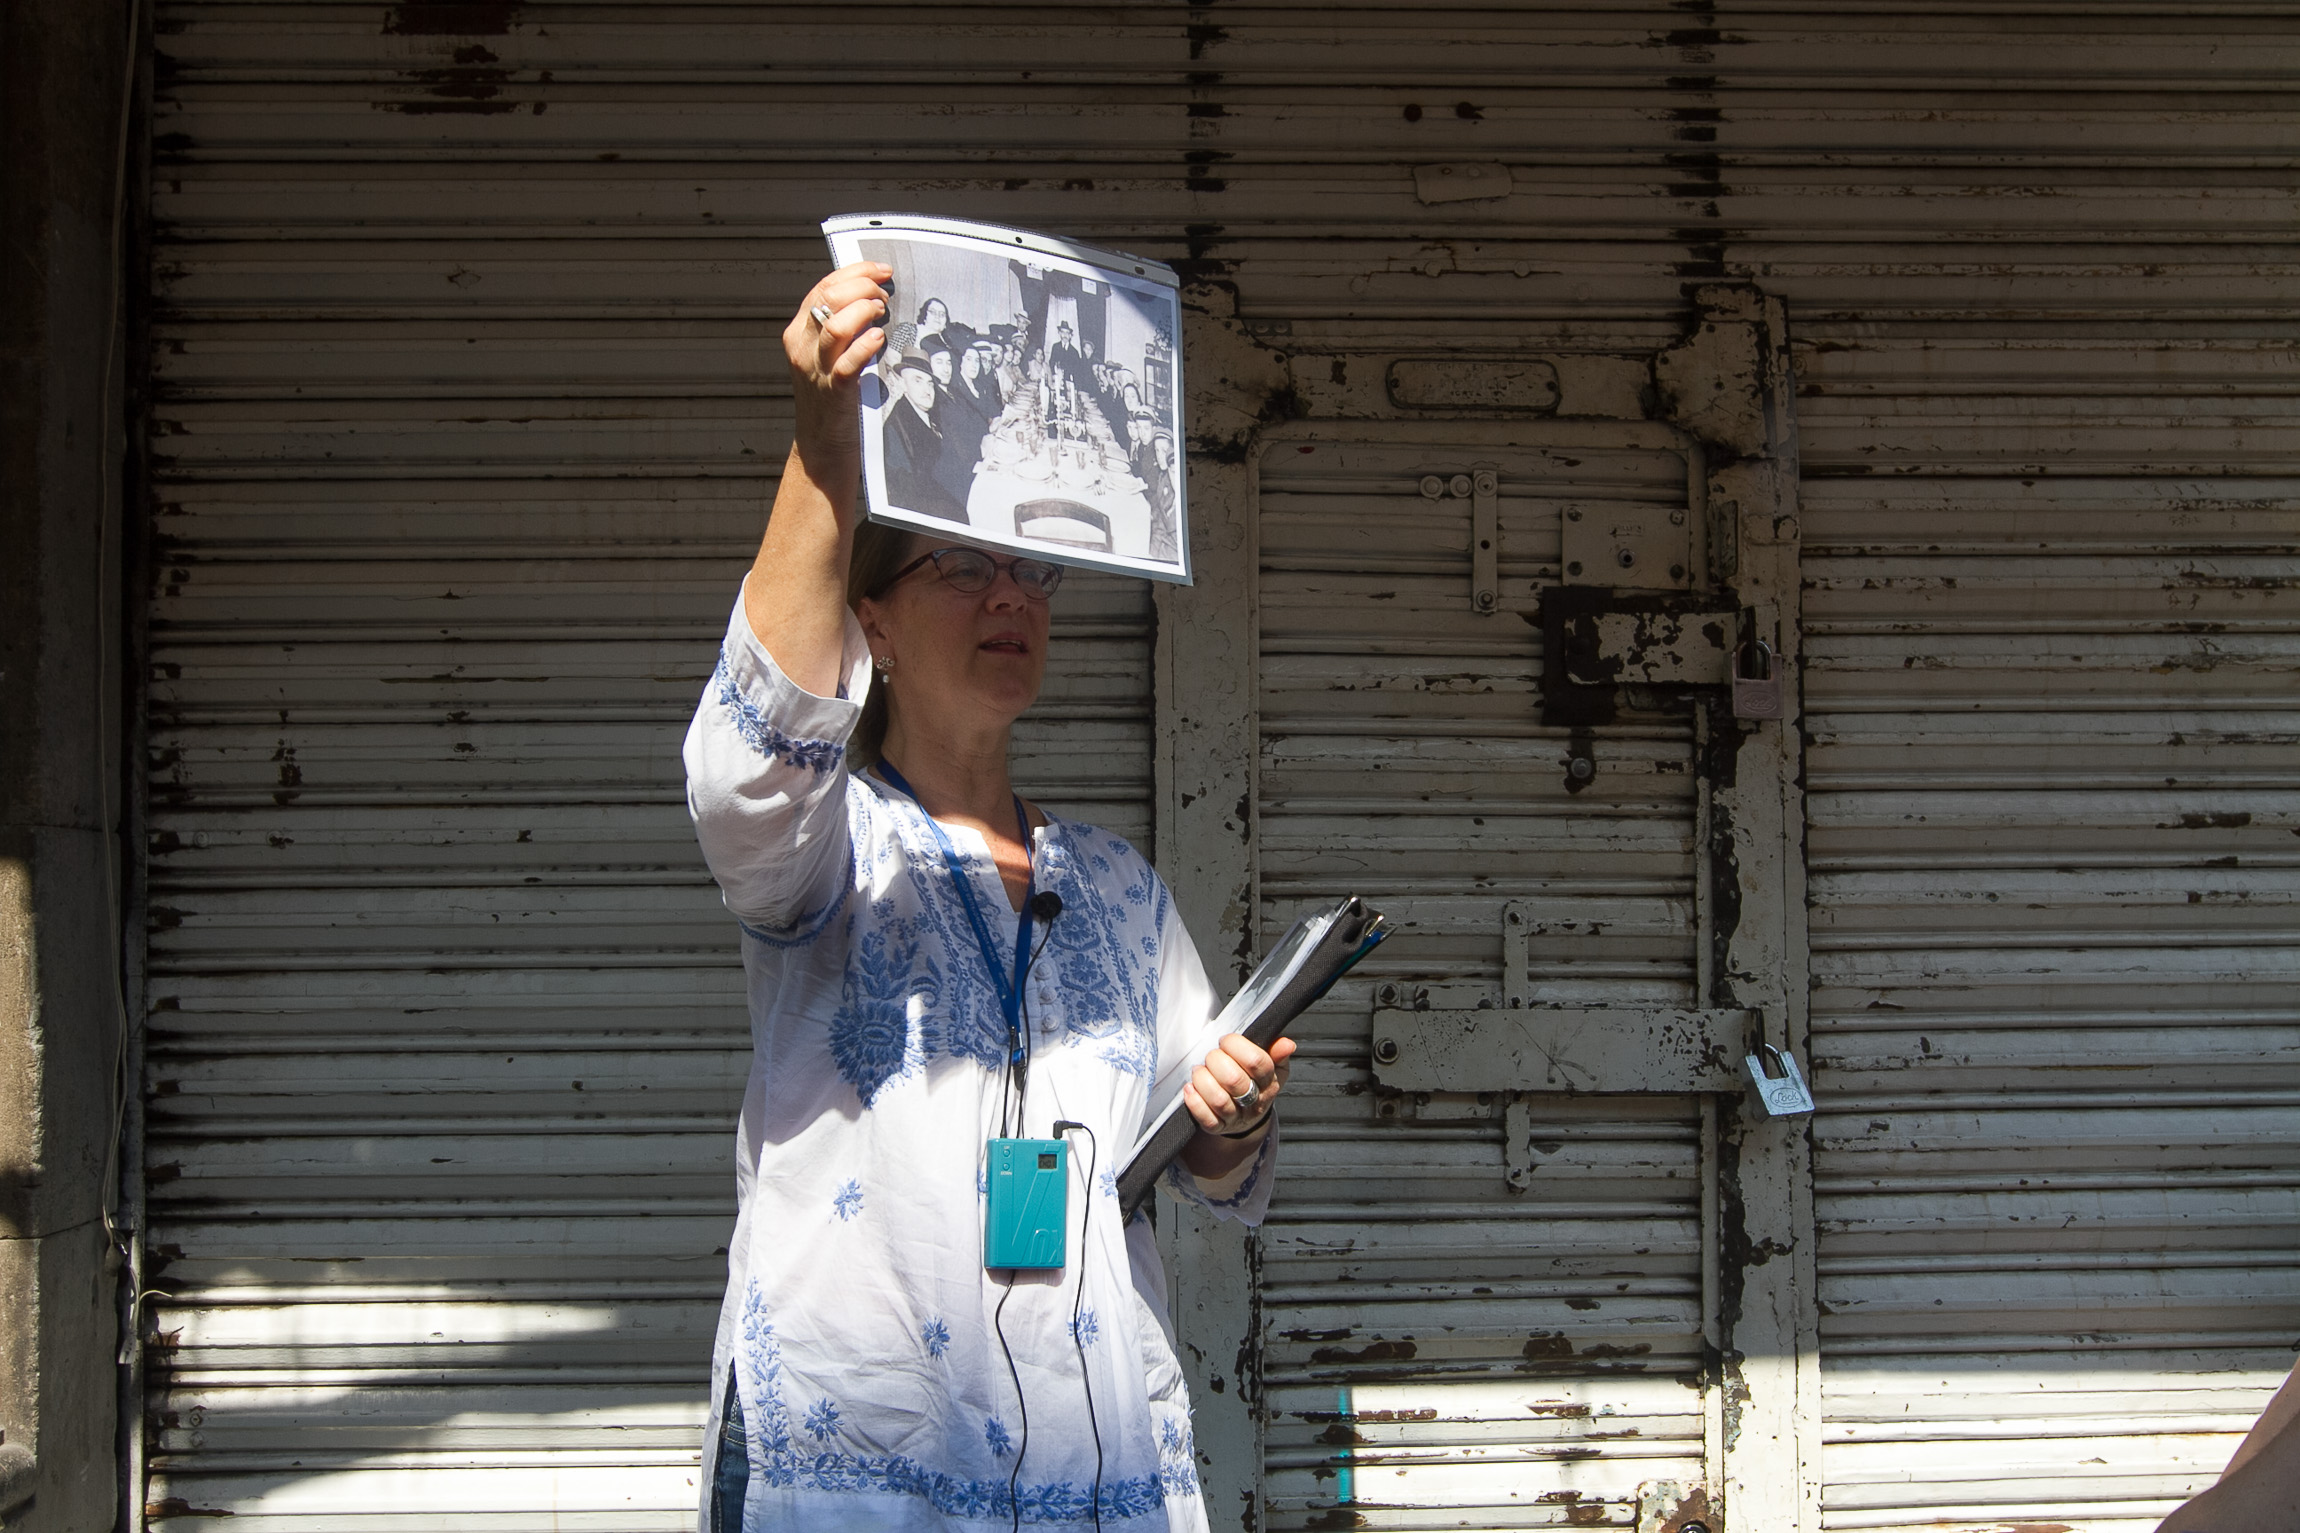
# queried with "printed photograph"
point(1029, 394)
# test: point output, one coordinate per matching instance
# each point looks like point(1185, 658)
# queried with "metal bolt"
point(1485, 600)
point(1574, 568)
point(1386, 1110)
point(1693, 1527)
point(1386, 1051)
point(1389, 995)
point(1573, 516)
point(1432, 486)
point(1624, 557)
point(1677, 572)
point(1581, 769)
point(1459, 484)
point(1487, 483)
point(1677, 518)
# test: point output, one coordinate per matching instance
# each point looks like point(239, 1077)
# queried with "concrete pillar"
point(61, 90)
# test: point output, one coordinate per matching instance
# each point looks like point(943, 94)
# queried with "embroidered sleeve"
point(1186, 1005)
point(766, 780)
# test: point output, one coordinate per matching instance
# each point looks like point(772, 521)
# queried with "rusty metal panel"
point(2051, 661)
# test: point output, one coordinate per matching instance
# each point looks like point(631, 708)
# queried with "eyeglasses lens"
point(970, 572)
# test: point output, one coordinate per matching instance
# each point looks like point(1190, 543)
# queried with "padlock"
point(1758, 696)
point(1784, 1095)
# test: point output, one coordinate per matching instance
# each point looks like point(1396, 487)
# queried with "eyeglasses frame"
point(998, 567)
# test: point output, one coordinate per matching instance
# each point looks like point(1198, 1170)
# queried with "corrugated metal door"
point(461, 442)
point(1438, 1348)
point(2053, 647)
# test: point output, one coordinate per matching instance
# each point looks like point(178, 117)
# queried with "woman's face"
point(961, 661)
point(934, 316)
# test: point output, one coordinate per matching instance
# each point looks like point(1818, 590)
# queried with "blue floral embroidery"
point(762, 1360)
point(1086, 1329)
point(1177, 1454)
point(872, 1039)
point(1108, 1182)
point(936, 1335)
point(816, 756)
point(822, 1420)
point(848, 1202)
point(782, 1465)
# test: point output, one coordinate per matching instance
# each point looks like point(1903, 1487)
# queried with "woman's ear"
point(871, 614)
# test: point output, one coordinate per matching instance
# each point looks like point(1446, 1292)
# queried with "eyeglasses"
point(970, 571)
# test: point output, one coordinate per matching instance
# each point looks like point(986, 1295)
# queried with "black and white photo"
point(1029, 395)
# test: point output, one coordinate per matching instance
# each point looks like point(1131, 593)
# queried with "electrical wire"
point(1022, 1401)
point(1078, 1299)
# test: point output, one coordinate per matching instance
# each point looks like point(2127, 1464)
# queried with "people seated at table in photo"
point(1063, 357)
point(978, 376)
point(914, 448)
point(959, 417)
point(1154, 466)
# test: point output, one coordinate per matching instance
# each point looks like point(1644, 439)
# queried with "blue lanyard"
point(1009, 995)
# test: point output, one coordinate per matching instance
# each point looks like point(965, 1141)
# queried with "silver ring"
point(1247, 1098)
point(821, 313)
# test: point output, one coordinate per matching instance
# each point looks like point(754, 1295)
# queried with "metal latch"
point(1482, 489)
point(1784, 1095)
point(1646, 548)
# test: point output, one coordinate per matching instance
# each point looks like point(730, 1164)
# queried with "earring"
point(885, 667)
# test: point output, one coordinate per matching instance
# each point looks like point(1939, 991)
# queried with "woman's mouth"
point(1005, 644)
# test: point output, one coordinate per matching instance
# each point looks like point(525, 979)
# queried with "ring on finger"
point(821, 314)
point(1247, 1099)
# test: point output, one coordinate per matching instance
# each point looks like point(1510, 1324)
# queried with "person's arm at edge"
point(2258, 1490)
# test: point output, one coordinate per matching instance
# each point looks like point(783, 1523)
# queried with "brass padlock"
point(1758, 696)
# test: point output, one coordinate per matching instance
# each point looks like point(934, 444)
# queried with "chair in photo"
point(1065, 522)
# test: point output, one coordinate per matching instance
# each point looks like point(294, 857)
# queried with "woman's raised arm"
point(766, 752)
point(795, 596)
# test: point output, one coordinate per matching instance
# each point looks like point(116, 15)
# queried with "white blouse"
point(859, 1322)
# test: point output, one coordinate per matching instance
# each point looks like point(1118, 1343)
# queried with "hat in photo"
point(961, 337)
point(934, 343)
point(1001, 334)
point(913, 362)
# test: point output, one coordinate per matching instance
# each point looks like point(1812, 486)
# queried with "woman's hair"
point(934, 303)
point(877, 555)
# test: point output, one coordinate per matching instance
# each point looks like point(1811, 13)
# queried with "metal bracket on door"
point(1521, 1049)
point(1482, 488)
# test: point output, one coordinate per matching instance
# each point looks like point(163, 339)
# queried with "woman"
point(869, 1372)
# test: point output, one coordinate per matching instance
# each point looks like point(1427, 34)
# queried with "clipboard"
point(1315, 952)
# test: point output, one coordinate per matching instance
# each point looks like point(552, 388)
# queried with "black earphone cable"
point(1077, 1337)
point(1022, 1403)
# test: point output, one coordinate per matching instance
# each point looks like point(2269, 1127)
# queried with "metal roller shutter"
point(2052, 654)
point(462, 439)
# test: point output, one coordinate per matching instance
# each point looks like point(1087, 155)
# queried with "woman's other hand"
point(827, 358)
point(1236, 1089)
